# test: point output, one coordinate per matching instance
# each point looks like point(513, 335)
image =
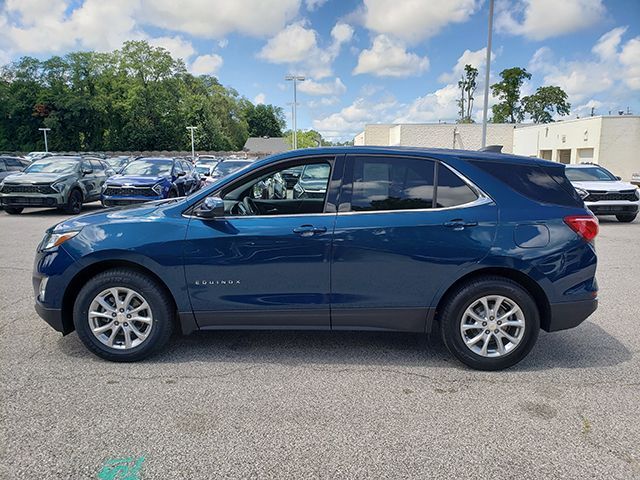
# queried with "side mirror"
point(181, 174)
point(619, 178)
point(211, 207)
point(206, 174)
point(87, 170)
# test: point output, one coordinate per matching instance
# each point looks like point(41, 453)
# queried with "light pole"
point(46, 145)
point(193, 148)
point(486, 77)
point(291, 104)
point(295, 79)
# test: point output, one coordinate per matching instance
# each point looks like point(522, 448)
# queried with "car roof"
point(418, 151)
point(64, 157)
point(584, 165)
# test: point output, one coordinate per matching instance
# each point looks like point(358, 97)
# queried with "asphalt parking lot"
point(320, 405)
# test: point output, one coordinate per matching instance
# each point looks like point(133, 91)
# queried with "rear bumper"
point(569, 314)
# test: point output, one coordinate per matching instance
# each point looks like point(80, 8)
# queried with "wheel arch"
point(94, 269)
point(522, 279)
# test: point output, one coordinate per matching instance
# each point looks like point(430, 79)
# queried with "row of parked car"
point(67, 182)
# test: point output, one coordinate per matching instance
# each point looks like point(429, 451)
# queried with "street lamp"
point(292, 115)
point(46, 145)
point(295, 79)
point(486, 77)
point(193, 148)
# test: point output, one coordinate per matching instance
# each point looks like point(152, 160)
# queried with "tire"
point(456, 322)
point(627, 218)
point(13, 210)
point(74, 203)
point(160, 310)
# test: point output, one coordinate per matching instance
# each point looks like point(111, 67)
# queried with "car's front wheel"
point(627, 218)
point(489, 323)
point(74, 203)
point(123, 315)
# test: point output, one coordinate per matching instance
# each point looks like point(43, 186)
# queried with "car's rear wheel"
point(489, 323)
point(627, 218)
point(122, 315)
point(74, 203)
point(13, 210)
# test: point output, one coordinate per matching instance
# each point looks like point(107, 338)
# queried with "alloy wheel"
point(120, 318)
point(492, 326)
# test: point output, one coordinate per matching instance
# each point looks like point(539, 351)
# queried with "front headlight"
point(582, 192)
point(57, 239)
point(157, 188)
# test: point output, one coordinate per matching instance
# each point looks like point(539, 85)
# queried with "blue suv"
point(484, 249)
point(146, 179)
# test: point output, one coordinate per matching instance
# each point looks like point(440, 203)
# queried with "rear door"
point(400, 236)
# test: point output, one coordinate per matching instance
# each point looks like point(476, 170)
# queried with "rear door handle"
point(459, 224)
point(309, 230)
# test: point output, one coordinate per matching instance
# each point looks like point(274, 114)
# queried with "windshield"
point(204, 169)
point(52, 166)
point(591, 174)
point(225, 168)
point(316, 172)
point(148, 168)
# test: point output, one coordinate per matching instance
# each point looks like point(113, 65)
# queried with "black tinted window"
point(452, 190)
point(13, 164)
point(544, 185)
point(96, 165)
point(3, 168)
point(391, 183)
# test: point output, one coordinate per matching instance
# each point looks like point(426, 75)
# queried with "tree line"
point(134, 98)
point(511, 108)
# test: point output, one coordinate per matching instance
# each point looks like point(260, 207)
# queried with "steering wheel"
point(247, 206)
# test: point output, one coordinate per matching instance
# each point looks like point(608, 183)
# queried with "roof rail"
point(492, 148)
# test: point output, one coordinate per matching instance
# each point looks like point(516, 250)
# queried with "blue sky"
point(366, 61)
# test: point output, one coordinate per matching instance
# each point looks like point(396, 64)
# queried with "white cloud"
point(297, 44)
point(541, 19)
point(414, 20)
point(389, 58)
point(223, 43)
point(314, 4)
point(217, 18)
point(260, 99)
point(312, 87)
point(206, 64)
point(608, 43)
point(177, 46)
point(432, 107)
point(475, 58)
point(630, 58)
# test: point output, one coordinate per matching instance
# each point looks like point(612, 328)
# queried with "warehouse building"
point(611, 141)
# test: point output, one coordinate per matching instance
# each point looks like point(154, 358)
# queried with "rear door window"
point(452, 190)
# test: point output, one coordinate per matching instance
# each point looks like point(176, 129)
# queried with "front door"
point(266, 262)
point(394, 248)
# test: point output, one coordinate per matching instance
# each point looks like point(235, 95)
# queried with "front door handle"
point(309, 230)
point(459, 224)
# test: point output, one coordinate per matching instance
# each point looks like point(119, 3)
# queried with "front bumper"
point(31, 200)
point(613, 207)
point(114, 201)
point(569, 314)
point(53, 316)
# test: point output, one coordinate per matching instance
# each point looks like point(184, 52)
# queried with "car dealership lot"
point(330, 405)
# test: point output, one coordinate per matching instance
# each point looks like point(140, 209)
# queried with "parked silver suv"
point(604, 193)
point(62, 182)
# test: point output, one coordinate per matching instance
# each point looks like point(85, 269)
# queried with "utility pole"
point(295, 79)
point(291, 104)
point(193, 148)
point(486, 77)
point(46, 145)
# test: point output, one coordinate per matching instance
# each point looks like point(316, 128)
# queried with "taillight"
point(584, 225)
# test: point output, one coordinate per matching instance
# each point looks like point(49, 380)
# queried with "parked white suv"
point(604, 193)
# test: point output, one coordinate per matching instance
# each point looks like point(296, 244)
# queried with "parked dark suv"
point(63, 182)
point(483, 248)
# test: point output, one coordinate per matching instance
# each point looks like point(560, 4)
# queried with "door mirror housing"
point(181, 174)
point(212, 207)
point(619, 178)
point(87, 170)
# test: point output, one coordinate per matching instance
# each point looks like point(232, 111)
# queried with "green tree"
point(264, 120)
point(509, 109)
point(547, 100)
point(467, 85)
point(306, 138)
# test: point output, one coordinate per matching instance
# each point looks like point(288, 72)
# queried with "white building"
point(611, 141)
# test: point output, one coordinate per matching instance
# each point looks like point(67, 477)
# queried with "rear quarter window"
point(541, 184)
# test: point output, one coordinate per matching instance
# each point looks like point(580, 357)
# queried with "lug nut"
point(487, 332)
point(484, 324)
point(122, 310)
point(490, 318)
point(495, 331)
point(116, 323)
point(499, 322)
point(114, 314)
point(129, 316)
point(126, 325)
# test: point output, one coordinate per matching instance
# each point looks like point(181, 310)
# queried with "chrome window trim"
point(481, 200)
